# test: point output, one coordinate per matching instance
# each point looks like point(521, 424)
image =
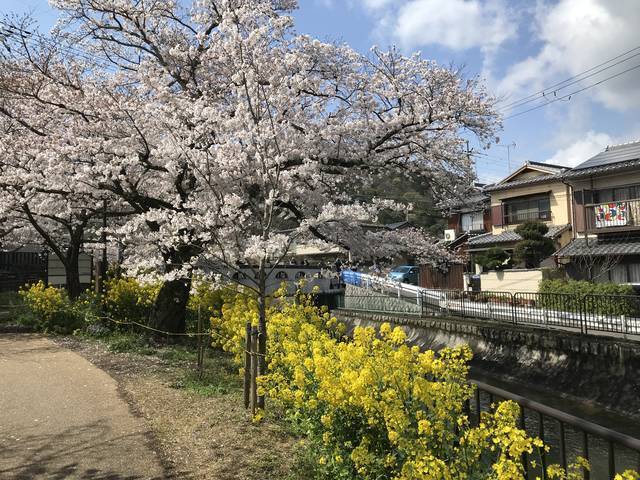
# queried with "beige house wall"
point(559, 199)
point(511, 280)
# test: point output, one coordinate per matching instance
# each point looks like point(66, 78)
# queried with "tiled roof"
point(613, 154)
point(509, 236)
point(602, 169)
point(397, 225)
point(473, 202)
point(579, 247)
point(549, 166)
point(526, 181)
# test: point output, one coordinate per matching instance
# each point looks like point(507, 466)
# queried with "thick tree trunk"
point(71, 270)
point(169, 311)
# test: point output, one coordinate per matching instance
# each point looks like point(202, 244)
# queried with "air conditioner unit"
point(449, 235)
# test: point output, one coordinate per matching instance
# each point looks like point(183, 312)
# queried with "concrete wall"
point(57, 277)
point(516, 280)
point(595, 369)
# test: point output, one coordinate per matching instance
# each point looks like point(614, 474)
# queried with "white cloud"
point(581, 150)
point(456, 24)
point(376, 4)
point(576, 35)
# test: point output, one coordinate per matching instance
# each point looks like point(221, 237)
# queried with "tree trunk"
point(169, 311)
point(262, 327)
point(71, 270)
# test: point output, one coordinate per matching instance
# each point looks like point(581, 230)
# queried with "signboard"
point(613, 214)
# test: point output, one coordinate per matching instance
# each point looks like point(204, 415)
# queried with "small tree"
point(534, 246)
point(495, 258)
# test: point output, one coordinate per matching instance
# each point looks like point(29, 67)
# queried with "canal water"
point(598, 448)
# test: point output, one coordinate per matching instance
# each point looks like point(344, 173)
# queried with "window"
point(282, 275)
point(634, 272)
point(522, 210)
point(617, 194)
point(619, 273)
point(472, 222)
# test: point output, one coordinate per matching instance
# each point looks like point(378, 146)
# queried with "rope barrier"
point(175, 334)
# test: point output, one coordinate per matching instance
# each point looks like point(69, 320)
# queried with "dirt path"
point(61, 417)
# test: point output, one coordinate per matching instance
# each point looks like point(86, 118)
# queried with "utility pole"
point(475, 166)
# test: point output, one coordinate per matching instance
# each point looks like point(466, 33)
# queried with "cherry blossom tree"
point(41, 197)
point(232, 139)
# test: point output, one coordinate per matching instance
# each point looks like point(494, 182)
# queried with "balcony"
point(617, 216)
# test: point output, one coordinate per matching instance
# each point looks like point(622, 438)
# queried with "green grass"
point(219, 376)
point(128, 342)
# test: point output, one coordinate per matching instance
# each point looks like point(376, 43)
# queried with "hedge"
point(616, 299)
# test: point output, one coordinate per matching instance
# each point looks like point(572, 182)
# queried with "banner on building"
point(611, 214)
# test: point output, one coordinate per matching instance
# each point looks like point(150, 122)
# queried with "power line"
point(569, 95)
point(573, 82)
point(512, 104)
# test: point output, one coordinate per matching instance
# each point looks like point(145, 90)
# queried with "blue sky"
point(517, 47)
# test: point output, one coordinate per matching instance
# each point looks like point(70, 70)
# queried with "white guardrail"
point(465, 306)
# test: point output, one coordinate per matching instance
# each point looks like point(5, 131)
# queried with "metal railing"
point(618, 314)
point(620, 213)
point(573, 436)
point(521, 217)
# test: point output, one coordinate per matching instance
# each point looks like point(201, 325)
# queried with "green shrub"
point(534, 246)
point(610, 298)
point(50, 309)
point(206, 299)
point(495, 258)
point(129, 300)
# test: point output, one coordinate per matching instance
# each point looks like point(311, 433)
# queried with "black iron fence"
point(569, 436)
point(619, 314)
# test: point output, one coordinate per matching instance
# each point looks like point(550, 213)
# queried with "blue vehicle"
point(405, 274)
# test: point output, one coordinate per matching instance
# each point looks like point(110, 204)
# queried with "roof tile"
point(509, 236)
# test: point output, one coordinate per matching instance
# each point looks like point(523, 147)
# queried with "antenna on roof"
point(508, 147)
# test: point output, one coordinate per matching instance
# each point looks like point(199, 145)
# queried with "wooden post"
point(261, 362)
point(200, 345)
point(98, 277)
point(254, 370)
point(247, 366)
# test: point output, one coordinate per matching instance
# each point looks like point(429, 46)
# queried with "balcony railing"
point(520, 217)
point(617, 215)
point(473, 227)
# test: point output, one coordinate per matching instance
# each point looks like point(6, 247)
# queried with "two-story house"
point(535, 191)
point(606, 216)
point(469, 217)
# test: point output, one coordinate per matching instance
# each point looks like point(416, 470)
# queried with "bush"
point(49, 309)
point(534, 246)
point(206, 300)
point(374, 407)
point(575, 291)
point(494, 259)
point(129, 300)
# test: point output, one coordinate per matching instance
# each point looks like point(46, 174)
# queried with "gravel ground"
point(201, 434)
